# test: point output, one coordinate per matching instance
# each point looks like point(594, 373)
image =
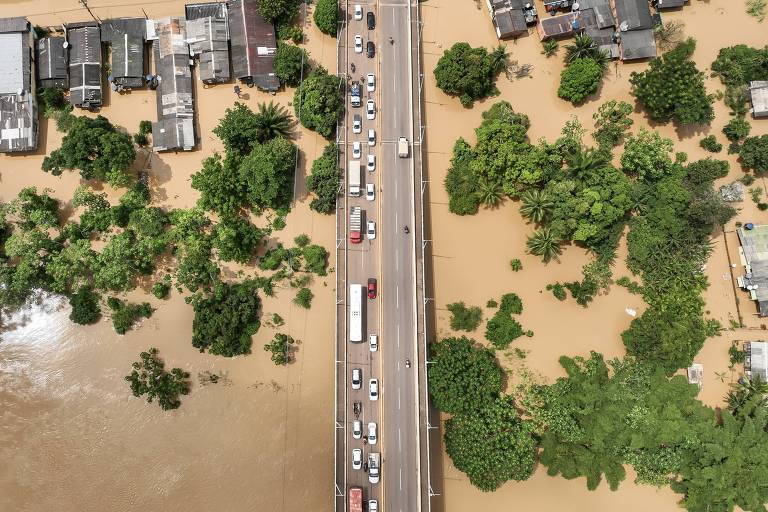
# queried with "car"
point(373, 467)
point(373, 340)
point(371, 163)
point(371, 137)
point(372, 433)
point(370, 19)
point(357, 429)
point(358, 44)
point(356, 149)
point(370, 110)
point(373, 506)
point(370, 231)
point(373, 389)
point(357, 378)
point(358, 12)
point(370, 191)
point(357, 458)
point(372, 288)
point(370, 49)
point(357, 124)
point(370, 82)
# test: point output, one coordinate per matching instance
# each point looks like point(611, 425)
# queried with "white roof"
point(11, 62)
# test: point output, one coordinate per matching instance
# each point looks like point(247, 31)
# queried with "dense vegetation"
point(150, 378)
point(326, 16)
point(470, 73)
point(281, 347)
point(291, 64)
point(502, 329)
point(324, 180)
point(464, 318)
point(580, 79)
point(318, 102)
point(126, 314)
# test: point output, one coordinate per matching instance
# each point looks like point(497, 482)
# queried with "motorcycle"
point(405, 228)
point(407, 363)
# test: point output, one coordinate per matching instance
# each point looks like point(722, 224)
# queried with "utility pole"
point(84, 3)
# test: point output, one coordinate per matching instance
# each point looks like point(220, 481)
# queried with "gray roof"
point(175, 126)
point(18, 122)
point(509, 18)
point(638, 44)
point(205, 10)
point(52, 63)
point(633, 14)
point(757, 352)
point(127, 37)
point(559, 26)
point(669, 4)
point(15, 63)
point(253, 45)
point(208, 39)
point(758, 92)
point(84, 65)
point(597, 13)
point(13, 25)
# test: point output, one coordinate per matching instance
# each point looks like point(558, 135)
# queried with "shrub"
point(516, 265)
point(161, 290)
point(737, 129)
point(125, 314)
point(464, 318)
point(468, 72)
point(558, 290)
point(145, 127)
point(549, 47)
point(581, 78)
point(491, 304)
point(304, 298)
point(754, 153)
point(281, 348)
point(710, 144)
point(324, 180)
point(326, 16)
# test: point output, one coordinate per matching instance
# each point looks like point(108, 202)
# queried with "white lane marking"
point(399, 442)
point(397, 296)
point(397, 260)
point(398, 398)
point(401, 479)
point(398, 341)
point(398, 367)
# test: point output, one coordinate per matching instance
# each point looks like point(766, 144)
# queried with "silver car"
point(357, 378)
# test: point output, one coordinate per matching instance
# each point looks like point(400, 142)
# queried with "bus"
point(355, 499)
point(356, 313)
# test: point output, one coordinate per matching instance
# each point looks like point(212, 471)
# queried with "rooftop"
point(508, 17)
point(253, 45)
point(669, 4)
point(638, 44)
point(84, 65)
point(633, 14)
point(18, 122)
point(52, 63)
point(757, 359)
point(754, 250)
point(15, 64)
point(758, 92)
point(127, 37)
point(208, 39)
point(563, 25)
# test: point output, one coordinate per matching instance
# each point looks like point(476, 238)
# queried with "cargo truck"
point(355, 495)
point(353, 170)
point(402, 147)
point(355, 225)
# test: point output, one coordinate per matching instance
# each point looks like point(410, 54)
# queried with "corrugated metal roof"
point(52, 63)
point(253, 45)
point(208, 39)
point(84, 66)
point(205, 10)
point(127, 36)
point(758, 91)
point(638, 44)
point(14, 25)
point(11, 62)
point(670, 4)
point(633, 14)
point(18, 122)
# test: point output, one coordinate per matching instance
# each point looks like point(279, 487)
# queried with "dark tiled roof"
point(670, 4)
point(559, 26)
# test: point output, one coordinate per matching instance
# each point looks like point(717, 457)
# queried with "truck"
point(354, 94)
point(355, 495)
point(355, 225)
point(356, 313)
point(353, 171)
point(402, 147)
point(374, 467)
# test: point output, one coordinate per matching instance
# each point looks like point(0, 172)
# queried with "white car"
point(373, 389)
point(358, 12)
point(357, 124)
point(356, 150)
point(370, 110)
point(370, 82)
point(372, 433)
point(358, 44)
point(357, 458)
point(370, 191)
point(357, 378)
point(371, 137)
point(373, 471)
point(370, 232)
point(371, 163)
point(373, 506)
point(373, 339)
point(357, 429)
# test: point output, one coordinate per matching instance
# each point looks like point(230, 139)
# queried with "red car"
point(372, 288)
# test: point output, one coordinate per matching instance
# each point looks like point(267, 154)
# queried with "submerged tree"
point(545, 243)
point(536, 205)
point(150, 378)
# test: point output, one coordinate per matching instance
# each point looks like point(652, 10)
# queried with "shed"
point(208, 39)
point(758, 93)
point(508, 18)
point(127, 37)
point(18, 106)
point(669, 4)
point(84, 65)
point(638, 44)
point(52, 63)
point(175, 126)
point(253, 45)
point(756, 362)
point(754, 256)
point(561, 26)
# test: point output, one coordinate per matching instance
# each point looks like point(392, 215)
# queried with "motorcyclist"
point(407, 363)
point(405, 228)
point(391, 41)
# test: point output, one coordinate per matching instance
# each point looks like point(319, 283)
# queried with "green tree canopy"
point(326, 16)
point(754, 153)
point(469, 73)
point(292, 62)
point(324, 180)
point(318, 102)
point(149, 377)
point(238, 129)
point(580, 79)
point(268, 173)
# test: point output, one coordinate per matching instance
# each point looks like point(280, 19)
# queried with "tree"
point(545, 243)
point(536, 205)
point(221, 186)
point(126, 314)
point(318, 102)
point(273, 121)
point(709, 143)
point(326, 16)
point(611, 123)
point(647, 155)
point(469, 73)
point(583, 47)
point(737, 129)
point(291, 62)
point(492, 445)
point(96, 149)
point(237, 239)
point(672, 88)
point(502, 329)
point(304, 298)
point(122, 259)
point(238, 129)
point(460, 182)
point(226, 319)
point(490, 192)
point(324, 180)
point(150, 378)
point(581, 78)
point(549, 47)
point(274, 10)
point(268, 174)
point(741, 64)
point(281, 348)
point(464, 318)
point(754, 154)
point(71, 267)
point(315, 259)
point(85, 306)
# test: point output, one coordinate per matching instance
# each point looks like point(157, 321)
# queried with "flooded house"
point(52, 57)
point(636, 37)
point(758, 96)
point(253, 45)
point(84, 40)
point(509, 17)
point(560, 26)
point(126, 37)
point(208, 39)
point(599, 24)
point(753, 254)
point(18, 106)
point(175, 126)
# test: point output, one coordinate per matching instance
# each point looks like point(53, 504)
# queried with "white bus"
point(356, 313)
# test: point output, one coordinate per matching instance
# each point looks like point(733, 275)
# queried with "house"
point(597, 19)
point(208, 39)
point(668, 4)
point(253, 45)
point(635, 24)
point(175, 126)
point(753, 254)
point(18, 106)
point(84, 65)
point(52, 56)
point(127, 37)
point(556, 27)
point(508, 17)
point(756, 361)
point(758, 93)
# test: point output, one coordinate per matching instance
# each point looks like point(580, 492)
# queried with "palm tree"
point(747, 392)
point(537, 205)
point(490, 192)
point(499, 58)
point(586, 160)
point(545, 243)
point(273, 121)
point(602, 57)
point(583, 46)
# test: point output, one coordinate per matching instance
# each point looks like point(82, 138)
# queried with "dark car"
point(372, 288)
point(371, 19)
point(370, 49)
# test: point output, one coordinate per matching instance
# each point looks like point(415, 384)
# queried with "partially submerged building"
point(668, 4)
point(758, 95)
point(18, 107)
point(561, 26)
point(253, 45)
point(753, 254)
point(84, 65)
point(756, 360)
point(508, 17)
point(127, 37)
point(208, 39)
point(175, 126)
point(52, 57)
point(635, 24)
point(599, 24)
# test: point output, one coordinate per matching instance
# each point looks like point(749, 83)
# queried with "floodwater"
point(72, 438)
point(472, 254)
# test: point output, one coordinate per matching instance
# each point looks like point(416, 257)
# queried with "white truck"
point(353, 171)
point(402, 147)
